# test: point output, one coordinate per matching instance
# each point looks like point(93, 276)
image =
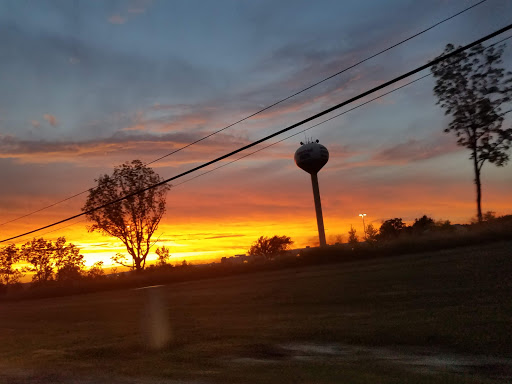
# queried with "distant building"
point(236, 260)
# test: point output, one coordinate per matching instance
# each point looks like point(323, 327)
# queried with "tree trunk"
point(478, 188)
point(137, 262)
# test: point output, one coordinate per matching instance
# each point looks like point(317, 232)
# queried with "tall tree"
point(133, 220)
point(473, 88)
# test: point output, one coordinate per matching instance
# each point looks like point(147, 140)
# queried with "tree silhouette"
point(443, 226)
point(9, 256)
point(133, 220)
point(44, 257)
point(163, 255)
point(472, 88)
point(69, 262)
point(269, 247)
point(423, 224)
point(489, 216)
point(96, 271)
point(371, 234)
point(121, 259)
point(38, 253)
point(353, 239)
point(391, 228)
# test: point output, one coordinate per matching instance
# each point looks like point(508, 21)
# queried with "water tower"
point(311, 157)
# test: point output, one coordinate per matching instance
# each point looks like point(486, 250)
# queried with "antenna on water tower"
point(311, 157)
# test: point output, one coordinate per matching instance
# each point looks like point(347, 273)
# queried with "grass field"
point(442, 317)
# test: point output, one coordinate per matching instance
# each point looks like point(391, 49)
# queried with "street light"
point(364, 227)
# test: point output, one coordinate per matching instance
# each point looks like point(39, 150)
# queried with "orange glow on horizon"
point(206, 241)
point(223, 215)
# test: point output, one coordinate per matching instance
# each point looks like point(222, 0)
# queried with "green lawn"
point(374, 321)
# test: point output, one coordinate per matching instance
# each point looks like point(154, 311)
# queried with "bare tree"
point(472, 88)
point(133, 220)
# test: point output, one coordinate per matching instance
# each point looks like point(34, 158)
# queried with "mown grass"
point(453, 301)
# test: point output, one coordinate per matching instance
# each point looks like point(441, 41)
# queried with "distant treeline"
point(395, 228)
point(425, 234)
point(48, 262)
point(58, 267)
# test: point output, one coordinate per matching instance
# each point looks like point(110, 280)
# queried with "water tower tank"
point(311, 157)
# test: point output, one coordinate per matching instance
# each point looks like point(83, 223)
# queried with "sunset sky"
point(87, 85)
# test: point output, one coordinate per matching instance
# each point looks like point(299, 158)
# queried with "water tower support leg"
point(318, 208)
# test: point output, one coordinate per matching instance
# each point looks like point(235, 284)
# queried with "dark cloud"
point(120, 92)
point(200, 236)
point(43, 184)
point(416, 150)
point(121, 142)
point(103, 81)
point(222, 236)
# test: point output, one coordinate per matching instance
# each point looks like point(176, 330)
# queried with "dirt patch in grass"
point(421, 359)
point(274, 357)
point(430, 361)
point(11, 377)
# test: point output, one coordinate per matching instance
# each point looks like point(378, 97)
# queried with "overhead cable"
point(289, 137)
point(266, 108)
point(254, 143)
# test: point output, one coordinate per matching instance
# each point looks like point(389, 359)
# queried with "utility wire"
point(48, 206)
point(322, 122)
point(318, 82)
point(293, 135)
point(254, 143)
point(267, 146)
point(266, 108)
point(304, 130)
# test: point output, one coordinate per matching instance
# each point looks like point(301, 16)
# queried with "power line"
point(318, 82)
point(304, 130)
point(254, 143)
point(48, 206)
point(266, 108)
point(270, 145)
point(289, 137)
